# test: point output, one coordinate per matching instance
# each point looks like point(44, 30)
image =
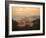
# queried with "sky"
point(25, 11)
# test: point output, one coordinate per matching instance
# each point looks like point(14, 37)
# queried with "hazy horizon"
point(21, 12)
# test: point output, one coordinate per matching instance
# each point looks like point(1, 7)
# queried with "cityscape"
point(26, 23)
